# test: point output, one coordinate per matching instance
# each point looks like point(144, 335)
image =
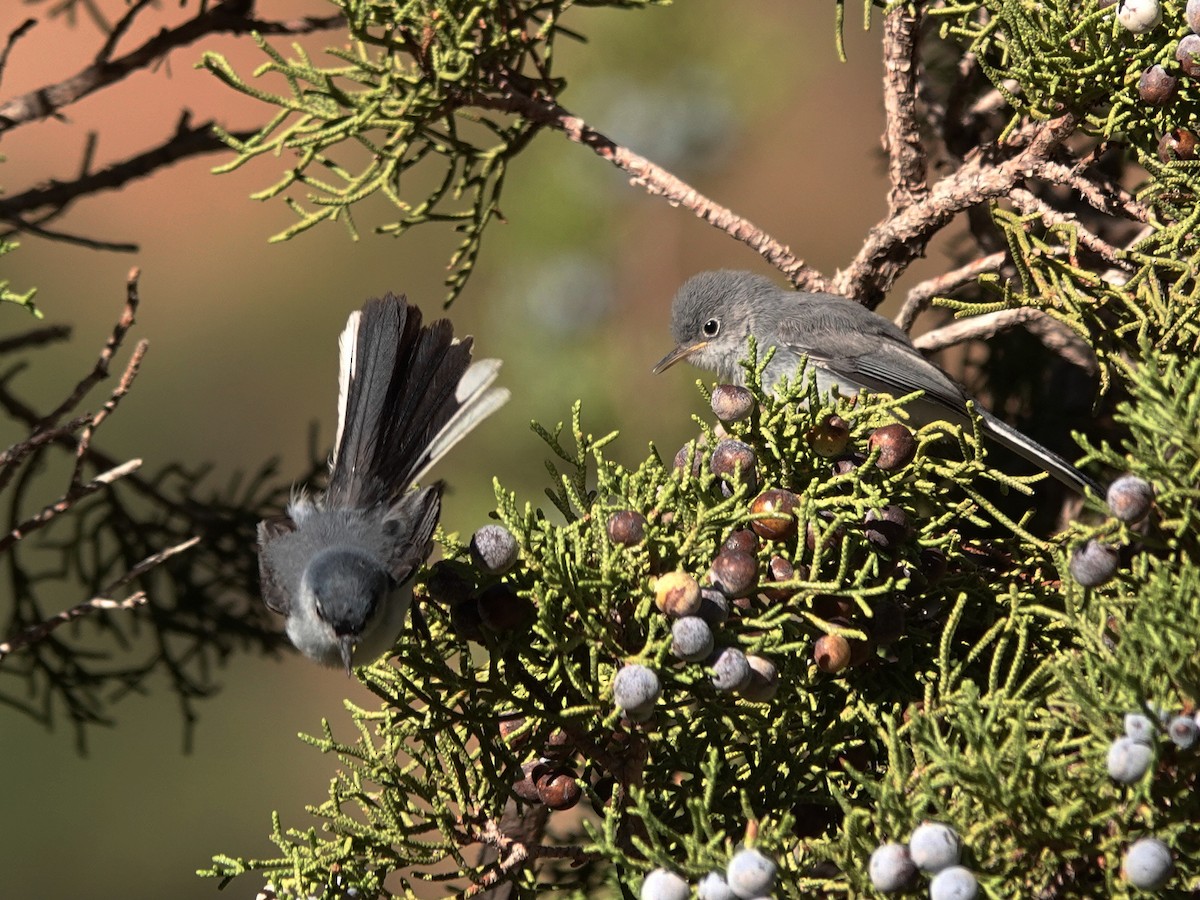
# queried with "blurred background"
point(748, 102)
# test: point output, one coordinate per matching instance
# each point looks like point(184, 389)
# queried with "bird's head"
point(712, 316)
point(346, 587)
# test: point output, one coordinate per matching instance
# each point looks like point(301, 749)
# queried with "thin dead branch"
point(74, 493)
point(1099, 191)
point(187, 141)
point(919, 295)
point(656, 181)
point(1052, 333)
point(15, 35)
point(902, 237)
point(229, 17)
point(137, 598)
point(1029, 204)
point(100, 370)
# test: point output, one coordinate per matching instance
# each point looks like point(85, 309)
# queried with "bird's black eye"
point(711, 327)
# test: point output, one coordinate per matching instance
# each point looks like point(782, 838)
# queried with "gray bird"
point(848, 347)
point(337, 566)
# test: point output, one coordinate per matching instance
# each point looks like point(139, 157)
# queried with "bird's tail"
point(407, 394)
point(1047, 460)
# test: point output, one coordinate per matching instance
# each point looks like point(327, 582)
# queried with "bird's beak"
point(680, 352)
point(346, 646)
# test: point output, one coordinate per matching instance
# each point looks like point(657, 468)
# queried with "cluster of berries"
point(1147, 863)
point(551, 779)
point(750, 875)
point(1157, 86)
point(1129, 500)
point(1131, 755)
point(891, 446)
point(773, 518)
point(477, 600)
point(934, 849)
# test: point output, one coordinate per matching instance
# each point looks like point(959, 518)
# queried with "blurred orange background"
point(748, 102)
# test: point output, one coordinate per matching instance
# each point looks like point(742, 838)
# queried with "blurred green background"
point(747, 101)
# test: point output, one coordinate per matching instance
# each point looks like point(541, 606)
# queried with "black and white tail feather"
point(336, 565)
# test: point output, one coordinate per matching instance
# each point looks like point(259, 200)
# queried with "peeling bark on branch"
point(893, 244)
point(657, 181)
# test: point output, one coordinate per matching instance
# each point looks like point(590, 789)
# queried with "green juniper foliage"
point(990, 709)
point(415, 108)
point(1072, 58)
point(8, 295)
point(934, 658)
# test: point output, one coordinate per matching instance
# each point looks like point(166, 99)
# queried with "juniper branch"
point(656, 180)
point(893, 244)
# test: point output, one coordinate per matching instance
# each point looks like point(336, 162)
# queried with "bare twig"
point(919, 295)
point(118, 31)
point(1052, 333)
point(974, 328)
point(656, 180)
point(17, 33)
point(100, 370)
point(138, 598)
point(122, 388)
point(1107, 197)
point(1028, 203)
point(74, 494)
point(42, 629)
point(64, 238)
point(18, 451)
point(151, 562)
point(514, 853)
point(22, 412)
point(893, 244)
point(43, 428)
point(902, 136)
point(186, 142)
point(230, 17)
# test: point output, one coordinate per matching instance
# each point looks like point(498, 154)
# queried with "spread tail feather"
point(407, 394)
point(347, 351)
point(477, 400)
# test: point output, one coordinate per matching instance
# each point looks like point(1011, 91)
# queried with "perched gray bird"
point(337, 566)
point(848, 347)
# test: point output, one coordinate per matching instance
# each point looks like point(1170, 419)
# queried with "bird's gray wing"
point(274, 592)
point(866, 349)
point(409, 525)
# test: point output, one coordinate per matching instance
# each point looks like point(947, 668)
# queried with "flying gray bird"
point(337, 566)
point(848, 347)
